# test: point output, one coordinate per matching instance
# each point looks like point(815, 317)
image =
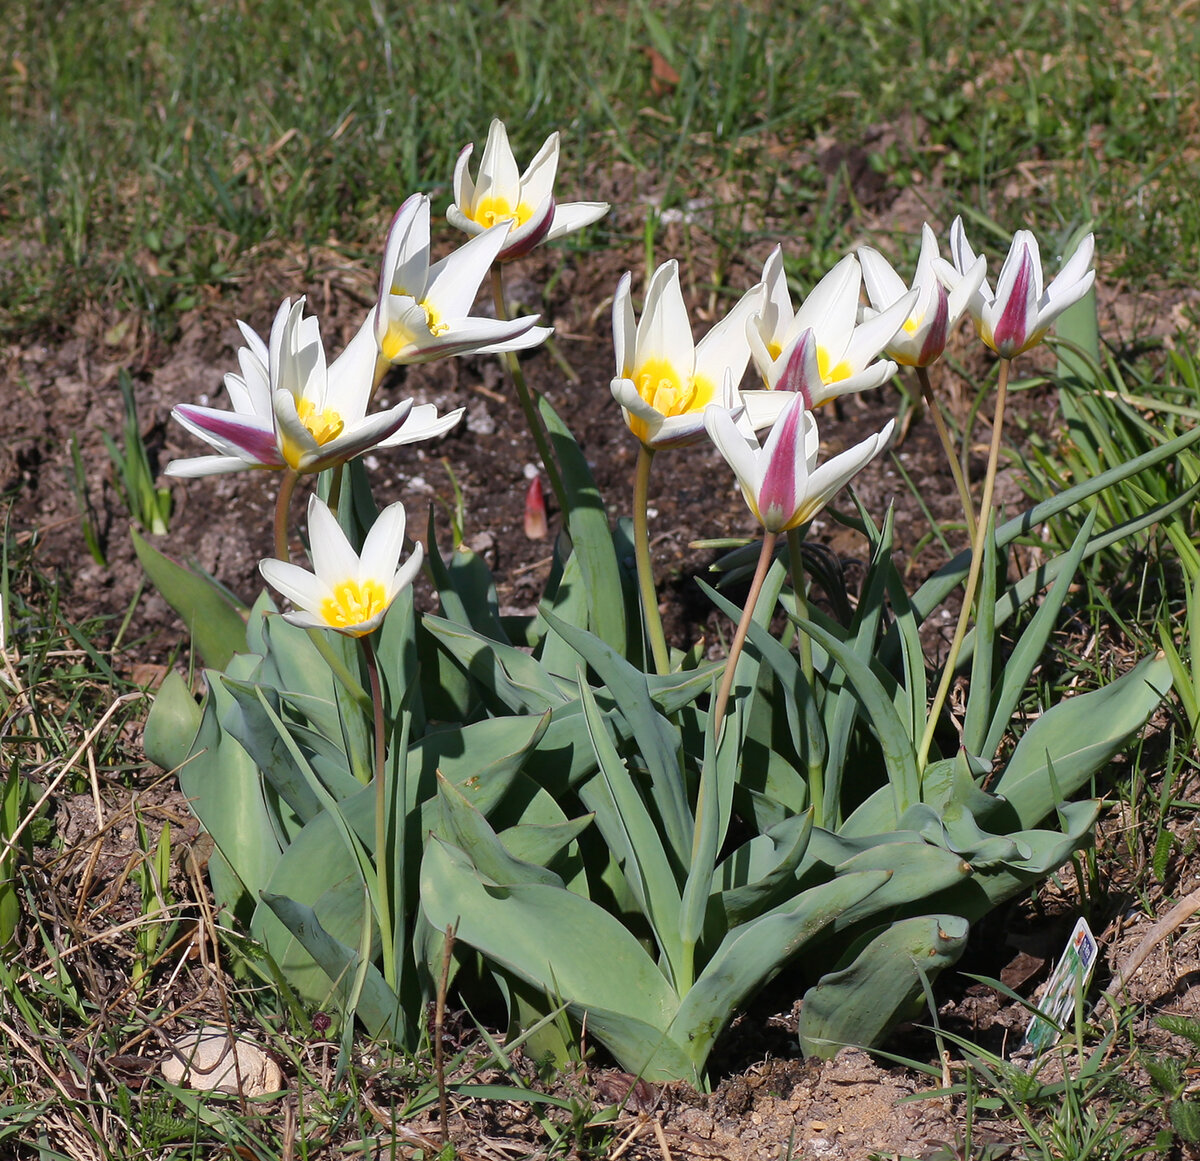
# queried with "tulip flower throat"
point(490, 210)
point(323, 425)
point(660, 385)
point(399, 335)
point(828, 373)
point(354, 603)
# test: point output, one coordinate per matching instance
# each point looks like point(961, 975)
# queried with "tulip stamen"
point(324, 425)
point(433, 320)
point(354, 603)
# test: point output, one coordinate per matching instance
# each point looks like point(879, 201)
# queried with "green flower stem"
point(968, 600)
point(739, 638)
point(816, 769)
point(939, 422)
point(532, 419)
point(320, 639)
point(283, 501)
point(382, 869)
point(645, 571)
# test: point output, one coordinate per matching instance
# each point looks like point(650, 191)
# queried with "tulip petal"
point(464, 193)
point(406, 573)
point(664, 331)
point(498, 175)
point(1013, 317)
point(739, 450)
point(784, 467)
point(833, 475)
point(572, 216)
point(383, 545)
point(247, 436)
point(624, 327)
point(883, 285)
point(332, 556)
point(726, 348)
point(831, 310)
point(405, 267)
point(536, 184)
point(423, 423)
point(197, 466)
point(454, 281)
point(300, 586)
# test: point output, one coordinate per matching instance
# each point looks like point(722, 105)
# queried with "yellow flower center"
point(354, 603)
point(490, 210)
point(399, 336)
point(831, 374)
point(322, 425)
point(912, 324)
point(660, 385)
point(774, 349)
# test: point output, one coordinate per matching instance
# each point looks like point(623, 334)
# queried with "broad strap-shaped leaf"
point(866, 687)
point(587, 522)
point(248, 824)
point(569, 602)
point(977, 716)
point(216, 623)
point(1078, 736)
point(172, 723)
point(465, 587)
point(286, 762)
point(568, 947)
point(376, 1005)
point(465, 828)
point(319, 871)
point(1028, 650)
point(753, 953)
point(630, 832)
point(481, 760)
point(656, 738)
point(761, 872)
point(510, 676)
point(861, 1003)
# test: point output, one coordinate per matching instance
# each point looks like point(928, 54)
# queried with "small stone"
point(208, 1060)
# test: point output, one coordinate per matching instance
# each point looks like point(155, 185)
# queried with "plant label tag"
point(1070, 979)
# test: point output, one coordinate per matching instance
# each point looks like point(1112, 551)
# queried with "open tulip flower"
point(780, 479)
point(847, 351)
point(292, 411)
point(922, 337)
point(664, 380)
point(526, 201)
point(423, 309)
point(345, 591)
point(1020, 312)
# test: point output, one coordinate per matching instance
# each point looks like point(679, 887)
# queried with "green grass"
point(153, 148)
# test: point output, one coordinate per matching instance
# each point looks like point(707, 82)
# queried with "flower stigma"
point(354, 603)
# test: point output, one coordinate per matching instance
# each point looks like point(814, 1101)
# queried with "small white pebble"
point(530, 471)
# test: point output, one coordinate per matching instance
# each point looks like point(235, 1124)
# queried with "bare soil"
point(768, 1102)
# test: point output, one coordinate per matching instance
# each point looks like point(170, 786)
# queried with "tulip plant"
point(582, 817)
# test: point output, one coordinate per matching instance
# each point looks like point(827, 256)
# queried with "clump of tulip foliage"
point(595, 827)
